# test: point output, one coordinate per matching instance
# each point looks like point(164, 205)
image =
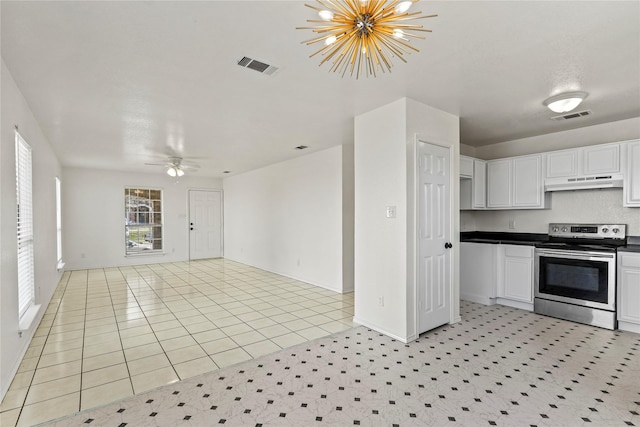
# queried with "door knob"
point(448, 245)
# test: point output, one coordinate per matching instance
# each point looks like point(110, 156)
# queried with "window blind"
point(25, 225)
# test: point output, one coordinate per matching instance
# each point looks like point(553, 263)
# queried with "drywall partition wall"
point(45, 166)
point(94, 216)
point(347, 218)
point(384, 176)
point(288, 218)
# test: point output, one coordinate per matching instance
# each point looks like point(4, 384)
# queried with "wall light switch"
point(391, 211)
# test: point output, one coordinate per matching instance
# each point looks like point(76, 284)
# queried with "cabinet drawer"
point(630, 260)
point(518, 251)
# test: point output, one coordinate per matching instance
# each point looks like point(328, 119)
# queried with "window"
point(143, 220)
point(26, 285)
point(60, 264)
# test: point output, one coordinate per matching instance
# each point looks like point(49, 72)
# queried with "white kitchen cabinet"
point(516, 183)
point(600, 159)
point(528, 188)
point(466, 167)
point(629, 291)
point(562, 164)
point(631, 185)
point(515, 276)
point(479, 198)
point(478, 272)
point(472, 183)
point(499, 183)
point(587, 161)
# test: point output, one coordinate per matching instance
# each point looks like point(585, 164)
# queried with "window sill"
point(28, 317)
point(146, 253)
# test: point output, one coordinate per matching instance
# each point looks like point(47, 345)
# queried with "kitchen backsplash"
point(584, 206)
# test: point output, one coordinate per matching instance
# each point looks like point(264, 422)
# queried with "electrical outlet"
point(391, 211)
point(512, 224)
point(381, 301)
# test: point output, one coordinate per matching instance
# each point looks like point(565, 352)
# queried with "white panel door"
point(434, 233)
point(205, 224)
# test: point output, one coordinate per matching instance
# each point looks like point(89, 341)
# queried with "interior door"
point(434, 232)
point(205, 224)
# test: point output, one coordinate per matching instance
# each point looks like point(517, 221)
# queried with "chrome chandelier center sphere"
point(364, 24)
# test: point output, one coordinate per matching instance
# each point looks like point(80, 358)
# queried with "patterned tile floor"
point(116, 332)
point(499, 366)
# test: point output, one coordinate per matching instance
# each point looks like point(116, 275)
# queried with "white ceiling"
point(117, 84)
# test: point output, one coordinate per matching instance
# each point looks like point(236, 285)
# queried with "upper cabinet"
point(472, 183)
point(516, 183)
point(631, 189)
point(596, 166)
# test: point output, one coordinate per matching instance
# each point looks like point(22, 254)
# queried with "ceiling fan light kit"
point(565, 102)
point(360, 36)
point(174, 171)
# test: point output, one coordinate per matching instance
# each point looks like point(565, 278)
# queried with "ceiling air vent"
point(258, 66)
point(572, 115)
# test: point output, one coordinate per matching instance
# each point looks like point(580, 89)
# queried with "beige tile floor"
point(115, 332)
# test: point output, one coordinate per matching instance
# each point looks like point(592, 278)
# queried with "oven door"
point(576, 277)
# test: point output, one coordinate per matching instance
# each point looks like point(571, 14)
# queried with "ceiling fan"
point(175, 166)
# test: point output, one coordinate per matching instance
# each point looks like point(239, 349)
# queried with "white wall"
point(384, 247)
point(588, 206)
point(94, 216)
point(16, 111)
point(289, 218)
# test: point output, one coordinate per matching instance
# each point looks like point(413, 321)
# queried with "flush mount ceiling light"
point(361, 35)
point(565, 102)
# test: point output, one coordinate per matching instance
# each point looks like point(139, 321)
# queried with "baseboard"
point(383, 331)
point(479, 299)
point(629, 327)
point(515, 304)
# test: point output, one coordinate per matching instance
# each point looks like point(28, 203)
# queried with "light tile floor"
point(499, 366)
point(115, 332)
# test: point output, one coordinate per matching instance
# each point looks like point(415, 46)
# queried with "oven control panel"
point(588, 231)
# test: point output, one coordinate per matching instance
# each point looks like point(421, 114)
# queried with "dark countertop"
point(505, 238)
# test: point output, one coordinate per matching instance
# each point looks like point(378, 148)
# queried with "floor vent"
point(258, 66)
point(572, 115)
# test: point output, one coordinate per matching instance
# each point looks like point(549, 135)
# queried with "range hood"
point(584, 182)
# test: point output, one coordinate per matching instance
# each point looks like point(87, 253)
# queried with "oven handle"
point(589, 256)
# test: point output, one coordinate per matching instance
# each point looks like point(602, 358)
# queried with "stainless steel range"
point(575, 273)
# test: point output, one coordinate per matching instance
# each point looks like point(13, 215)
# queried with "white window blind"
point(58, 221)
point(25, 225)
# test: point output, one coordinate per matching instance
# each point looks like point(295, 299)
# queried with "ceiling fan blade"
point(159, 164)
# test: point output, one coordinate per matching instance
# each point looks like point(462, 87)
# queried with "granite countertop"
point(506, 238)
point(494, 237)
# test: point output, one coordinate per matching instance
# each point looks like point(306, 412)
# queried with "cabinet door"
point(631, 186)
point(480, 184)
point(466, 167)
point(601, 159)
point(518, 273)
point(629, 287)
point(528, 189)
point(562, 164)
point(499, 183)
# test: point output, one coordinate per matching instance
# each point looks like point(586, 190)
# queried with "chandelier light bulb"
point(330, 40)
point(326, 15)
point(398, 34)
point(403, 6)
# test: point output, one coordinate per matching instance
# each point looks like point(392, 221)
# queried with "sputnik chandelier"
point(359, 36)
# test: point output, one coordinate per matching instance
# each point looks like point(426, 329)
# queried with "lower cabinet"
point(515, 276)
point(628, 300)
point(497, 273)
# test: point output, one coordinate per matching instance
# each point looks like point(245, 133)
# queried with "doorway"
point(434, 236)
point(205, 224)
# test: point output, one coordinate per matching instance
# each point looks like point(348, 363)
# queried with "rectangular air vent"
point(572, 115)
point(258, 66)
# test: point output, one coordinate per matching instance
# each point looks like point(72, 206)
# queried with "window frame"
point(138, 221)
point(24, 228)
